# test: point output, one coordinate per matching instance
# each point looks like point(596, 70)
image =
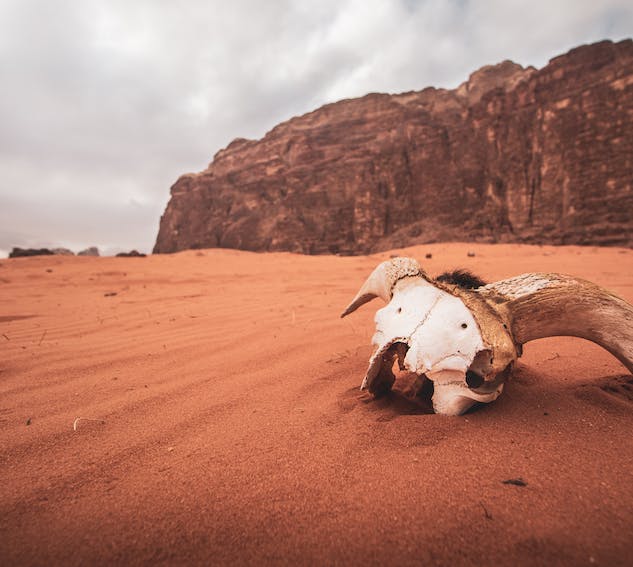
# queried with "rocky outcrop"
point(131, 254)
point(513, 154)
point(62, 252)
point(91, 251)
point(27, 252)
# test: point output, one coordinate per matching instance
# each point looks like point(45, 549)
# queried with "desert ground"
point(203, 408)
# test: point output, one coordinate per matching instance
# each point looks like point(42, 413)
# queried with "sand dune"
point(222, 421)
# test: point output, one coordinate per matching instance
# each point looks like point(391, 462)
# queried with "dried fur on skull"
point(461, 278)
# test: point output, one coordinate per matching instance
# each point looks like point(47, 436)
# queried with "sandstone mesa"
point(512, 155)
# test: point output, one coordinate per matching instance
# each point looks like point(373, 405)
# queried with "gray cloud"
point(104, 104)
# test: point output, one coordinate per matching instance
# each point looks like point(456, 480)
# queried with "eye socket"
point(464, 325)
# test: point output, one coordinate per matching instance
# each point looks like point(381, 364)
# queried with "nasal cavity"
point(473, 379)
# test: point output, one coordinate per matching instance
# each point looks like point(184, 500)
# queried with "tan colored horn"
point(547, 305)
point(381, 281)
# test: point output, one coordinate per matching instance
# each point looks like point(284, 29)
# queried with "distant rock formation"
point(131, 254)
point(63, 252)
point(21, 252)
point(513, 154)
point(25, 252)
point(92, 251)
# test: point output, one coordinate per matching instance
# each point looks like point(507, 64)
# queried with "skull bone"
point(443, 340)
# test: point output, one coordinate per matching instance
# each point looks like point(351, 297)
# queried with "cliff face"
point(512, 154)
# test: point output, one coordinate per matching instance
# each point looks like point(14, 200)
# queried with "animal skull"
point(467, 340)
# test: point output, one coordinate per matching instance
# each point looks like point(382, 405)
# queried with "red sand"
point(233, 430)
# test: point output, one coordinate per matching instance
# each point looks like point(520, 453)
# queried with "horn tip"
point(359, 300)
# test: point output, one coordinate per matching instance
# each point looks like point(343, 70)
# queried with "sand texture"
point(222, 421)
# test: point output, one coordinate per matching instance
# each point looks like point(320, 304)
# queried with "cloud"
point(105, 104)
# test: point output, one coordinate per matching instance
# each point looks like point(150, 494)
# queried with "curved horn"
point(381, 281)
point(547, 305)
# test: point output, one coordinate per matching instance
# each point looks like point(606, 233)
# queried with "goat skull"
point(467, 340)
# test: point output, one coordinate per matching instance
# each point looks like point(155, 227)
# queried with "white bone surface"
point(432, 322)
point(411, 302)
point(443, 339)
point(455, 399)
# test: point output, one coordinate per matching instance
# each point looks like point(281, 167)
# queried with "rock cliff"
point(513, 154)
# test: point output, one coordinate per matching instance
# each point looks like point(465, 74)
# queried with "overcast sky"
point(103, 104)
